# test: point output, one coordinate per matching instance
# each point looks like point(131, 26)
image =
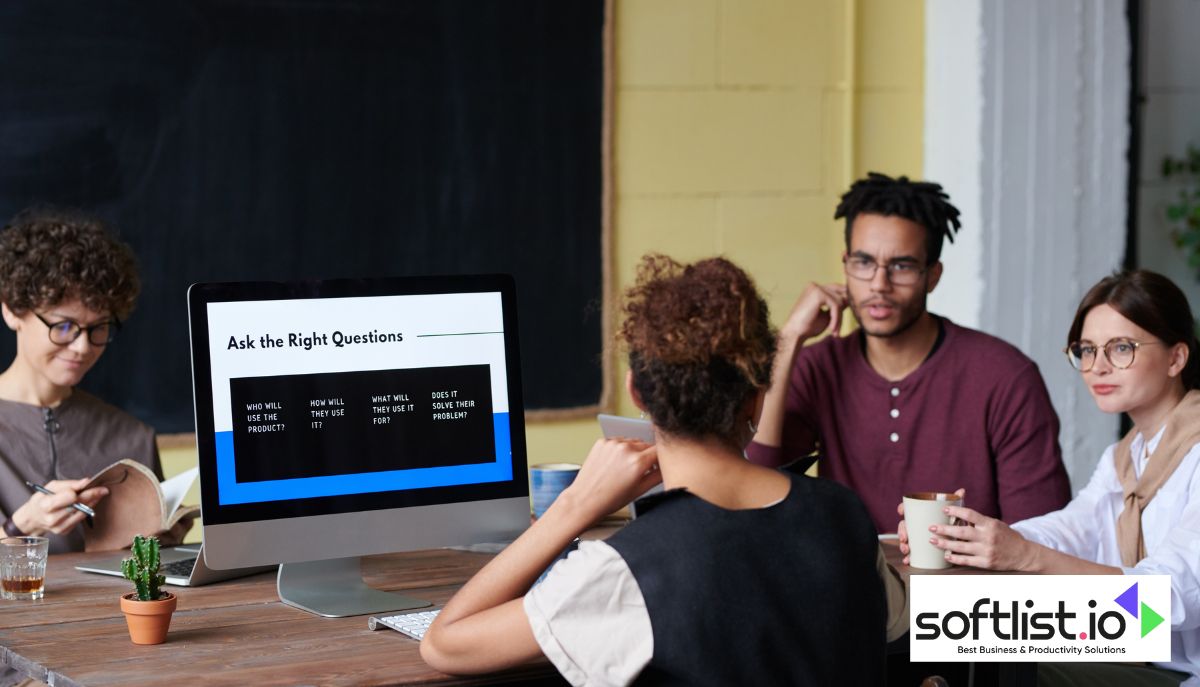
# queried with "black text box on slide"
point(353, 422)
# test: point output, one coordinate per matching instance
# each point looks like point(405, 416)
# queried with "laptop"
point(182, 566)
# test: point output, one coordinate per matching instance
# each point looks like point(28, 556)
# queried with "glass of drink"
point(23, 567)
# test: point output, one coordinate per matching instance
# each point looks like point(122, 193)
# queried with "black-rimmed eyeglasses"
point(65, 332)
point(900, 272)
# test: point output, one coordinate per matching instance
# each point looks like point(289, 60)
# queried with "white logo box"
point(971, 618)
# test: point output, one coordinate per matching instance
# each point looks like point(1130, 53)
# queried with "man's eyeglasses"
point(900, 272)
point(1119, 352)
point(65, 332)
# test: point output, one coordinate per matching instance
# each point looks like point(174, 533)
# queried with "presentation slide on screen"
point(335, 396)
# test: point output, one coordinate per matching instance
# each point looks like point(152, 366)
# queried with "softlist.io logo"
point(1040, 618)
point(1129, 601)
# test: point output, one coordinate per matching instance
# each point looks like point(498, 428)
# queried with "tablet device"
point(617, 427)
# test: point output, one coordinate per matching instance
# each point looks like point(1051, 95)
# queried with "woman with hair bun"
point(65, 286)
point(1134, 343)
point(735, 574)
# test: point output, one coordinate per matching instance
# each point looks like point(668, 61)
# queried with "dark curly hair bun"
point(700, 345)
point(50, 255)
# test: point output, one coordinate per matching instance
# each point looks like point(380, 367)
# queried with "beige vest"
point(1182, 433)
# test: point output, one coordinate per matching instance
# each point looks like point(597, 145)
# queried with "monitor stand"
point(335, 589)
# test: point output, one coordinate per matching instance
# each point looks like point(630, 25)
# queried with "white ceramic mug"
point(922, 509)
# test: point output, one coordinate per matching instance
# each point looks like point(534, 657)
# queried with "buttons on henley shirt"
point(895, 413)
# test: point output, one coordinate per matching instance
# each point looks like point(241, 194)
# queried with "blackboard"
point(293, 139)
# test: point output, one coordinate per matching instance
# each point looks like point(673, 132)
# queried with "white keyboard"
point(412, 624)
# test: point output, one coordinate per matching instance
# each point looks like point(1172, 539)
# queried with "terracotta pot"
point(148, 620)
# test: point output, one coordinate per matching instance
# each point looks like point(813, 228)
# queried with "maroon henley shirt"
point(975, 414)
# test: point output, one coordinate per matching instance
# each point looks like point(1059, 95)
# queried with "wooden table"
point(234, 632)
point(983, 674)
point(237, 632)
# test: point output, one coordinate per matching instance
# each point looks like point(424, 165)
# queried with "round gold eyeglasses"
point(1119, 353)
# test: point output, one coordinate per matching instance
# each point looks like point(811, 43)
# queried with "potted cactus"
point(147, 609)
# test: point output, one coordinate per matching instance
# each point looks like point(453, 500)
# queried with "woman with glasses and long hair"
point(1133, 341)
point(65, 285)
point(737, 574)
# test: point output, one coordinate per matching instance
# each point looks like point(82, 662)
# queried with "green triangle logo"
point(1150, 619)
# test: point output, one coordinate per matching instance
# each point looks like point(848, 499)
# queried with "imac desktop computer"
point(342, 418)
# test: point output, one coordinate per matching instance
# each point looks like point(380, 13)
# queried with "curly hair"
point(50, 255)
point(923, 202)
point(700, 344)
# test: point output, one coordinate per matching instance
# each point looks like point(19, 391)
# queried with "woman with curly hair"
point(65, 286)
point(735, 574)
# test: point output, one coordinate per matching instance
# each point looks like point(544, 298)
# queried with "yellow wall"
point(737, 124)
point(890, 87)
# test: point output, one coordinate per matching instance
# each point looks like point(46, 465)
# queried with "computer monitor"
point(342, 418)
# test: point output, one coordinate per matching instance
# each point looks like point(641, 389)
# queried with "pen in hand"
point(77, 506)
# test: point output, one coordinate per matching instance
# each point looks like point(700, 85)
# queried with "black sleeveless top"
point(783, 595)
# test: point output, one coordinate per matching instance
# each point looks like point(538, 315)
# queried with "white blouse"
point(1087, 528)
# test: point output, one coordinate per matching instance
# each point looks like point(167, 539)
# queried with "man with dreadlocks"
point(910, 401)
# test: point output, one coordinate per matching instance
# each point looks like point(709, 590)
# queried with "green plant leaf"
point(143, 567)
point(139, 550)
point(1175, 212)
point(152, 554)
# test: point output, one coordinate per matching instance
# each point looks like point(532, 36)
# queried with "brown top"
point(89, 436)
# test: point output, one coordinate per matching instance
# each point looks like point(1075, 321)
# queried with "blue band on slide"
point(230, 492)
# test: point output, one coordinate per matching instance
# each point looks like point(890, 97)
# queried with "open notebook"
point(138, 504)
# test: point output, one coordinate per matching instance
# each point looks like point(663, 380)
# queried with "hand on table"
point(44, 513)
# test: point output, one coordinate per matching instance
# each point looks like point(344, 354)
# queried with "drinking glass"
point(23, 567)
